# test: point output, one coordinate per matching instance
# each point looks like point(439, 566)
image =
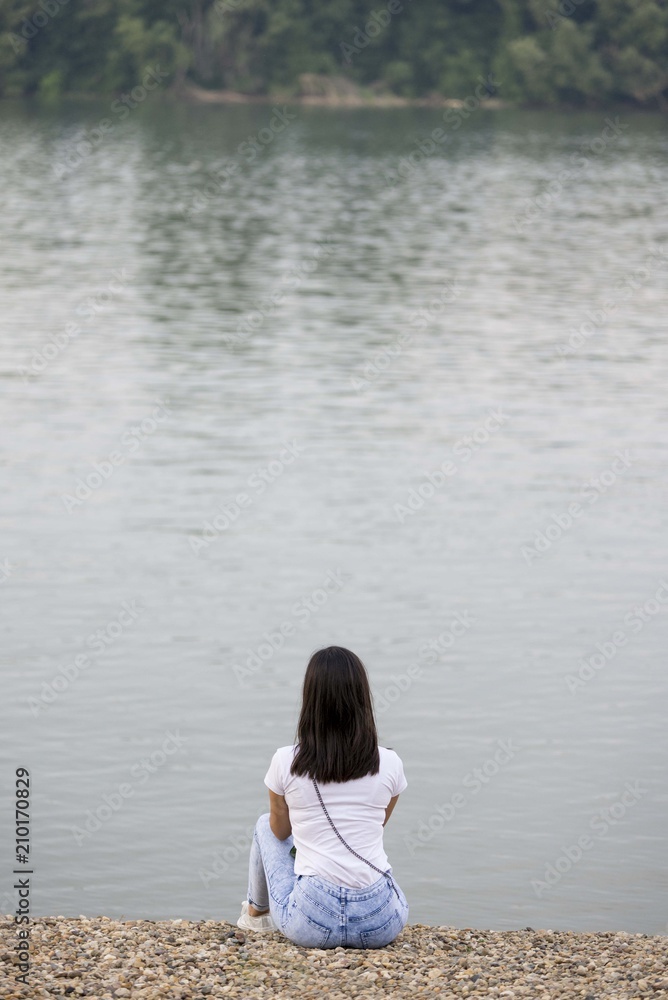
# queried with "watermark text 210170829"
point(22, 883)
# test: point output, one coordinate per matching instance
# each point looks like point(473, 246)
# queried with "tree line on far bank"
point(574, 52)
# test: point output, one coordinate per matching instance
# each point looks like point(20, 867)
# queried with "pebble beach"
point(203, 960)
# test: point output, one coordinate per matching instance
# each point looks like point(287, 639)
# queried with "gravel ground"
point(203, 960)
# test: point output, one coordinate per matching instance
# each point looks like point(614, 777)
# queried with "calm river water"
point(412, 403)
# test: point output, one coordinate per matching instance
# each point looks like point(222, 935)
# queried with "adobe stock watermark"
point(98, 641)
point(247, 151)
point(378, 364)
point(453, 118)
point(464, 449)
point(251, 322)
point(140, 772)
point(230, 511)
point(473, 782)
point(90, 139)
point(564, 9)
point(535, 207)
point(560, 523)
point(274, 640)
point(430, 652)
point(5, 570)
point(103, 470)
point(600, 823)
point(625, 288)
point(90, 307)
point(237, 847)
point(31, 26)
point(635, 619)
point(377, 21)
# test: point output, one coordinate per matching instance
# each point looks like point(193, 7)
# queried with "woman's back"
point(357, 809)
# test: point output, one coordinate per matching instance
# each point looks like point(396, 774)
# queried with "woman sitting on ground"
point(337, 889)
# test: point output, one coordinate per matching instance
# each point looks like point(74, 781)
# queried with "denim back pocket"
point(302, 929)
point(385, 933)
point(310, 923)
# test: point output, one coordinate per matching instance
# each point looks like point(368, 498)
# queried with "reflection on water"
point(229, 379)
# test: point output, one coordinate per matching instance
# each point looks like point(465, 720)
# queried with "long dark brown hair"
point(336, 732)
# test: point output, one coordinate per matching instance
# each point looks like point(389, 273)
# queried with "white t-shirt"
point(357, 809)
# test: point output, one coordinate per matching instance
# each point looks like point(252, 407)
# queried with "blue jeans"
point(313, 912)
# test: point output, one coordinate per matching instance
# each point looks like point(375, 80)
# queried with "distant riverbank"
point(338, 92)
point(171, 959)
point(314, 90)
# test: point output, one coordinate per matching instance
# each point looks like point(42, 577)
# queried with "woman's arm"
point(390, 806)
point(279, 816)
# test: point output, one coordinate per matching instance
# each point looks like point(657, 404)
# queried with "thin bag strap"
point(387, 874)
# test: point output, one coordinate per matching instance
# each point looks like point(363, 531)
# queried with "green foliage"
point(541, 51)
point(576, 72)
point(51, 86)
point(558, 66)
point(461, 73)
point(527, 67)
point(398, 76)
point(140, 46)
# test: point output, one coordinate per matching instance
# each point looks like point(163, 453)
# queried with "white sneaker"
point(263, 924)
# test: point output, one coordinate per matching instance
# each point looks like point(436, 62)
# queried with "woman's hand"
point(279, 816)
